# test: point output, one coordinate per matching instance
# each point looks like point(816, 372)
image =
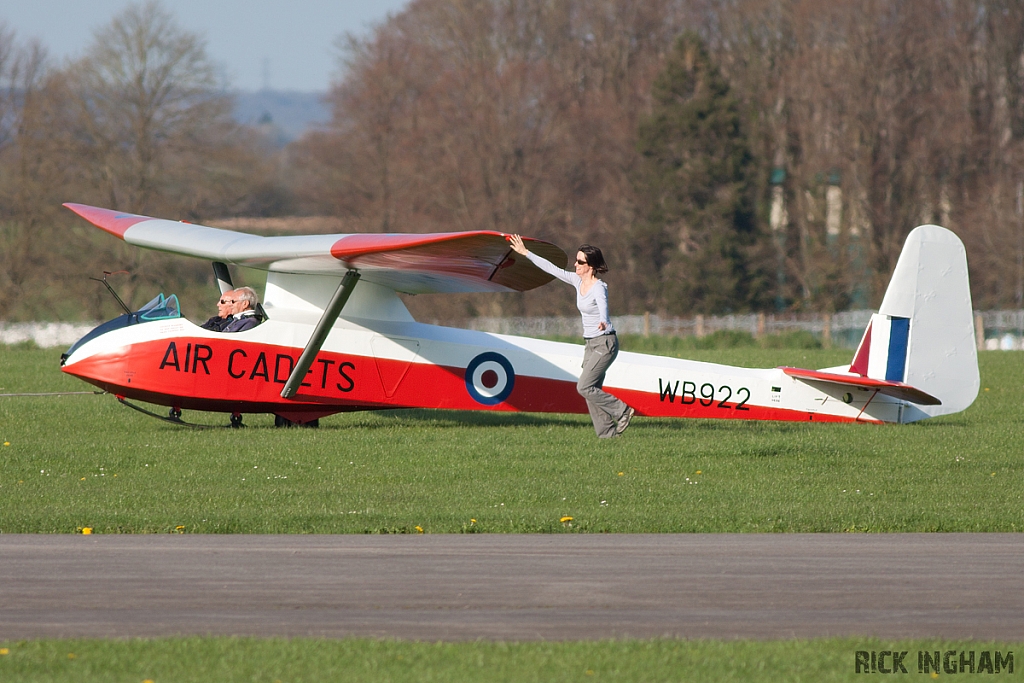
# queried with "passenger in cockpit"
point(243, 312)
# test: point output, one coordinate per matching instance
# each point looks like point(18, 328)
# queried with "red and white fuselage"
point(370, 365)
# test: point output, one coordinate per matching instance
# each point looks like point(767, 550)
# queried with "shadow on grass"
point(469, 418)
point(378, 419)
point(945, 422)
point(448, 419)
point(456, 418)
point(706, 425)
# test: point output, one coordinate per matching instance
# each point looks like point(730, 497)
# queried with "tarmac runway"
point(515, 587)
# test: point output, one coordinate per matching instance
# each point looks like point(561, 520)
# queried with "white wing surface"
point(475, 261)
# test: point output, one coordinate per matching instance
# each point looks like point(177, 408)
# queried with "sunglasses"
point(227, 301)
point(581, 263)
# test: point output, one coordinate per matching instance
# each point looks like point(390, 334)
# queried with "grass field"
point(86, 461)
point(225, 660)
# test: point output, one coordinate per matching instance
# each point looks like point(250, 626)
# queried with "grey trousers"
point(605, 409)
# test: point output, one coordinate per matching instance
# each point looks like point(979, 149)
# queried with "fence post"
point(979, 331)
point(700, 324)
point(826, 331)
point(760, 326)
point(647, 323)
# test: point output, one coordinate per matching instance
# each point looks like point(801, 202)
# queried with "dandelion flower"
point(71, 655)
point(419, 529)
point(86, 530)
point(180, 529)
point(4, 651)
point(472, 521)
point(621, 473)
point(565, 519)
point(7, 443)
point(699, 472)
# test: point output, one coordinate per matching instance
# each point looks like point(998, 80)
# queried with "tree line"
point(747, 155)
point(139, 123)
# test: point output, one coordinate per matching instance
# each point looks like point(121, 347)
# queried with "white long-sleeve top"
point(593, 305)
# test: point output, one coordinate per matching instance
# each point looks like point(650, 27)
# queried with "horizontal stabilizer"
point(474, 261)
point(898, 390)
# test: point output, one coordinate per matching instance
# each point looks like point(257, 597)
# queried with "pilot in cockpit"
point(223, 318)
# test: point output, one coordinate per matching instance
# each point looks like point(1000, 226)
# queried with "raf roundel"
point(490, 378)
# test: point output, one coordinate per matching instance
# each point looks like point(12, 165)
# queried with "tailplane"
point(923, 334)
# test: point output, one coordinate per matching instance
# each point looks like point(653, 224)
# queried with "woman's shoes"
point(624, 421)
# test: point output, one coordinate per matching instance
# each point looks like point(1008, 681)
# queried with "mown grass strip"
point(184, 660)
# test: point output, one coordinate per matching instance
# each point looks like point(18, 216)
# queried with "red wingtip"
point(114, 222)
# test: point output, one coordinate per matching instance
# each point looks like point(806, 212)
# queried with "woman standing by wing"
point(609, 415)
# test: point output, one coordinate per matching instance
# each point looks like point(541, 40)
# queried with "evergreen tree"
point(695, 185)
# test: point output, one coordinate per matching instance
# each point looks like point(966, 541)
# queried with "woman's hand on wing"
point(517, 244)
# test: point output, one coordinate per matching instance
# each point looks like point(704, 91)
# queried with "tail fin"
point(923, 334)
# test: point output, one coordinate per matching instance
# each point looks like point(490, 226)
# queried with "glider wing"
point(475, 261)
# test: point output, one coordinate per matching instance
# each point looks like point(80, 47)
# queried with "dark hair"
point(595, 259)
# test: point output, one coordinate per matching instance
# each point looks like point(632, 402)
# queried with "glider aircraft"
point(336, 337)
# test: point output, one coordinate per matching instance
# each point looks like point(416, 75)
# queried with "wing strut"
point(323, 328)
point(220, 271)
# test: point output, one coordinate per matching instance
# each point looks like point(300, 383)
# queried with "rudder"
point(923, 334)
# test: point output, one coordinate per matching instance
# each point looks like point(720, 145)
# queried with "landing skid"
point(174, 417)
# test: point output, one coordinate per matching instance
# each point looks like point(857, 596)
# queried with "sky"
point(257, 43)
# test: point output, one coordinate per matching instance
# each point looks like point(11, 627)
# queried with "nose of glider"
point(105, 370)
point(97, 361)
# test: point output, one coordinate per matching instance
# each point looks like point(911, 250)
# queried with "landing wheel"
point(236, 421)
point(174, 413)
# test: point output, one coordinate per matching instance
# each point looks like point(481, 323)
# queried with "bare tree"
point(148, 127)
point(23, 255)
point(511, 116)
point(151, 108)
